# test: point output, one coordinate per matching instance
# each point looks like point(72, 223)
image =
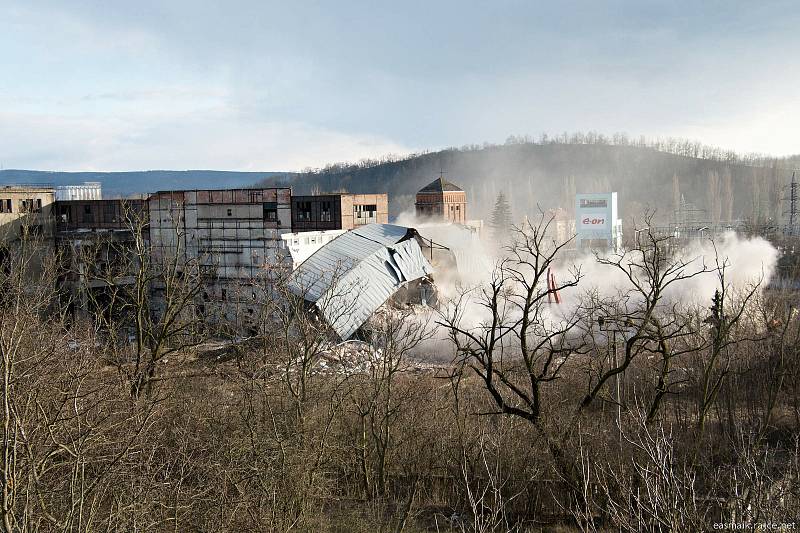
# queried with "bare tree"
point(521, 345)
point(652, 322)
point(149, 298)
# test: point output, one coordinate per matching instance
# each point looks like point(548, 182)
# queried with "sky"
point(258, 85)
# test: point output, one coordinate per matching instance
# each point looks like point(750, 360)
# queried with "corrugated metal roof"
point(383, 233)
point(353, 275)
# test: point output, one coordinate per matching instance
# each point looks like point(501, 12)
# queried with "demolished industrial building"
point(349, 278)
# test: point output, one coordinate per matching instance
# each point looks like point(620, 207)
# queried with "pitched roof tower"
point(442, 200)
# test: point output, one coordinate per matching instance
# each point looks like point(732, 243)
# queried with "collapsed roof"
point(349, 278)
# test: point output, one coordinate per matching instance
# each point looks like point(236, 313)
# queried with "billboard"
point(596, 217)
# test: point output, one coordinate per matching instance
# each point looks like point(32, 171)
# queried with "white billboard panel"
point(596, 217)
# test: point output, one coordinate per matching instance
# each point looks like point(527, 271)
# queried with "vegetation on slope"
point(548, 172)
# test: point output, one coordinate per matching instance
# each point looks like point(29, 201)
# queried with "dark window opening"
point(325, 214)
point(365, 211)
point(271, 211)
point(110, 212)
point(88, 216)
point(30, 205)
point(303, 210)
point(5, 206)
point(230, 212)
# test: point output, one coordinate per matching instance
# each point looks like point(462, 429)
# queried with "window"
point(30, 205)
point(5, 205)
point(271, 211)
point(325, 214)
point(365, 211)
point(593, 202)
point(303, 210)
point(109, 212)
point(230, 212)
point(88, 216)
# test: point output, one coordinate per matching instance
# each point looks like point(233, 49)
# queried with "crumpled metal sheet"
point(350, 277)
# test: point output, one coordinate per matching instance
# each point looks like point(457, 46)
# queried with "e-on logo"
point(593, 221)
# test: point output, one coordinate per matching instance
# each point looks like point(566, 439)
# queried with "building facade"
point(442, 200)
point(597, 223)
point(303, 244)
point(232, 235)
point(26, 210)
point(97, 243)
point(338, 211)
point(26, 216)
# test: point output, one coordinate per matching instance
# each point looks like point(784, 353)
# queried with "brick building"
point(442, 200)
point(338, 211)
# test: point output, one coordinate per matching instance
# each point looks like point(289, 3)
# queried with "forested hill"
point(549, 174)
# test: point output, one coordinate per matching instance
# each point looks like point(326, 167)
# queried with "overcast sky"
point(257, 85)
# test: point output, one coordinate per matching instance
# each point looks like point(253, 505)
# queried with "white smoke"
point(474, 259)
point(747, 261)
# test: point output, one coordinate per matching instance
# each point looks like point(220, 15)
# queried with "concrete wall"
point(351, 211)
point(234, 235)
point(229, 231)
point(38, 220)
point(309, 213)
